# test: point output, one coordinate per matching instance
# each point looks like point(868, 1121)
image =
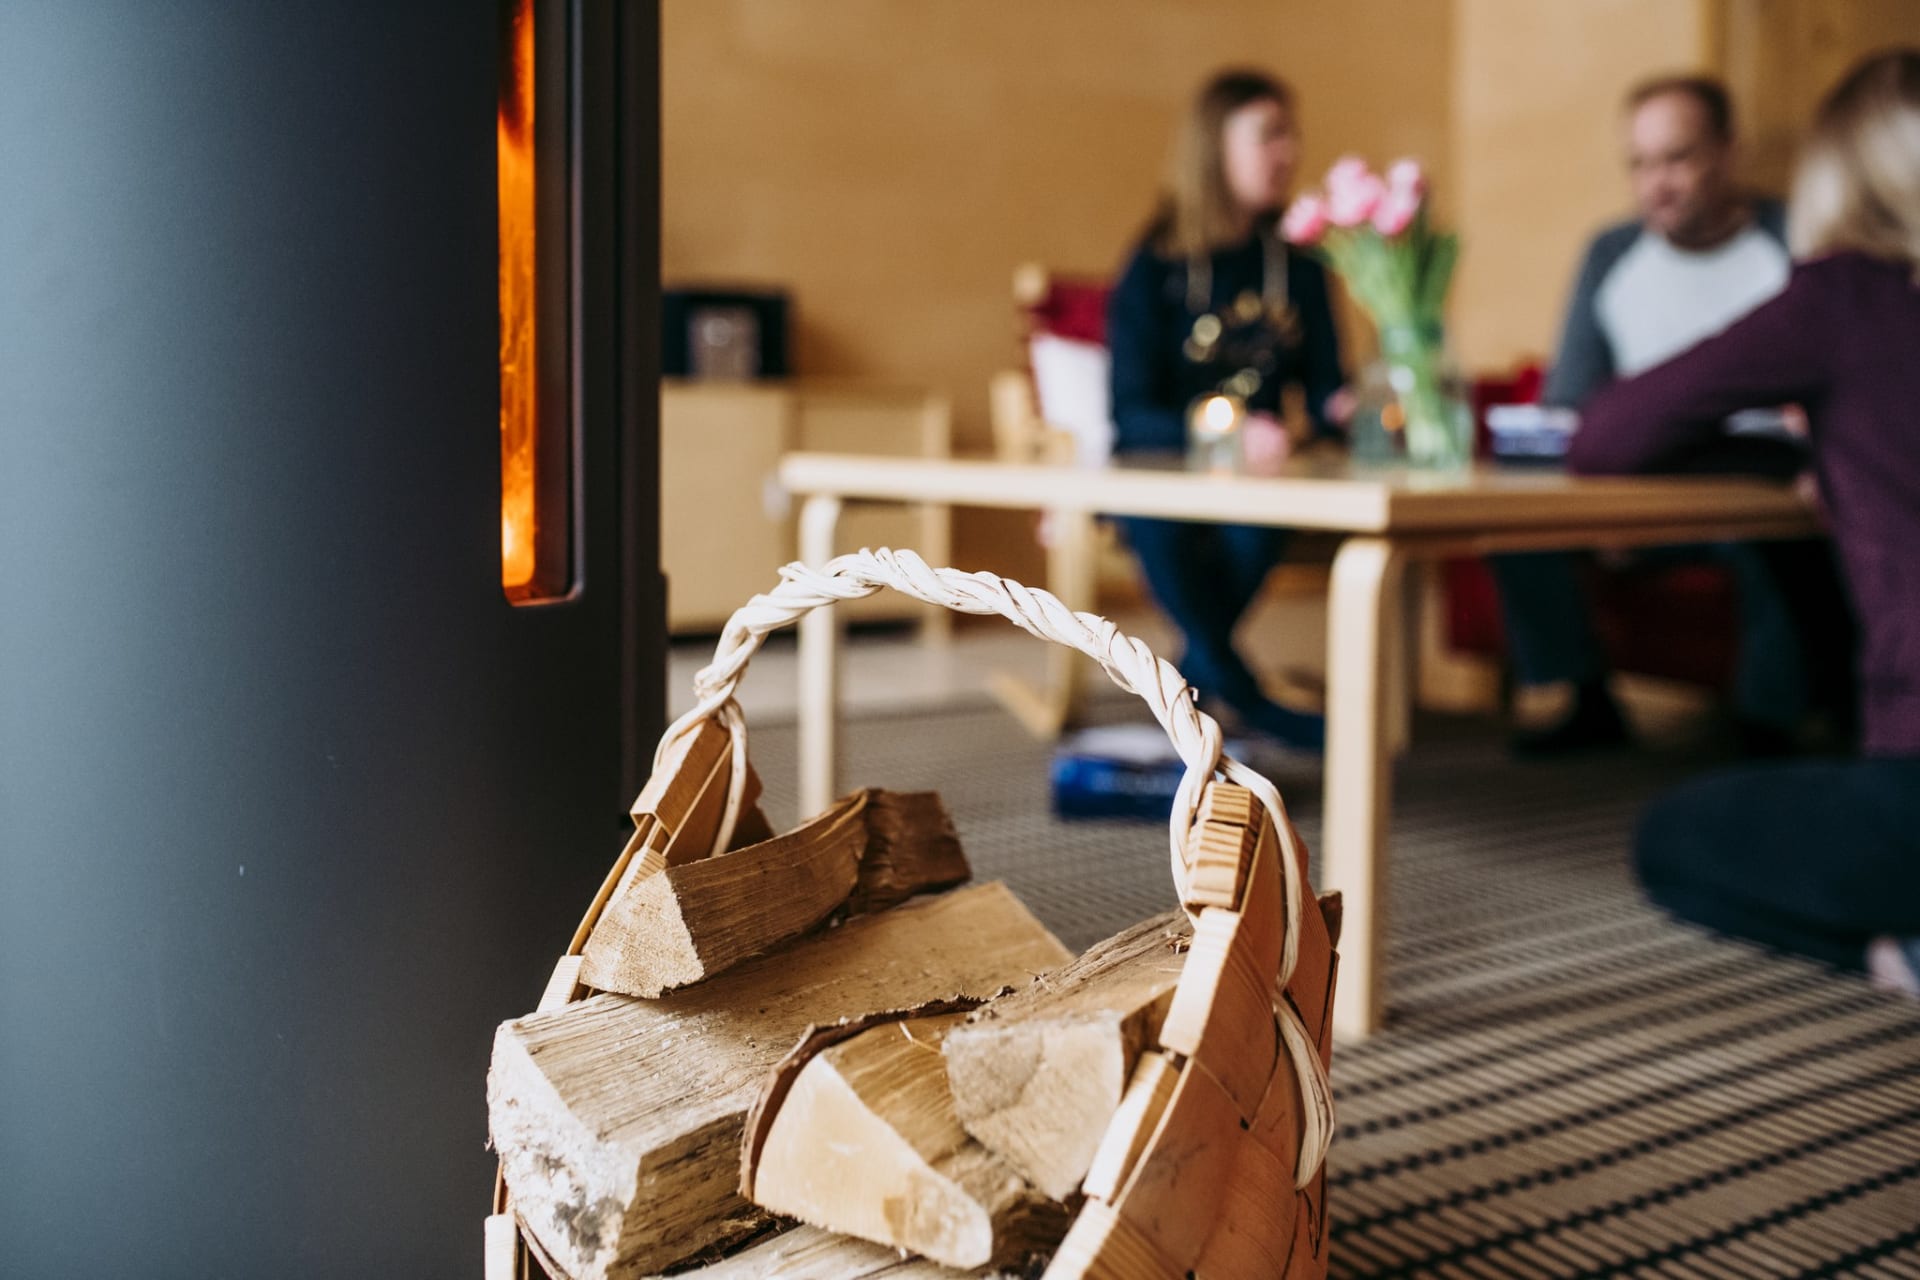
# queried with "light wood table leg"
point(1072, 566)
point(1363, 616)
point(819, 665)
point(936, 548)
point(1403, 668)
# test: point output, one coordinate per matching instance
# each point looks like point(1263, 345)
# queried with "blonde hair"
point(1858, 184)
point(1198, 215)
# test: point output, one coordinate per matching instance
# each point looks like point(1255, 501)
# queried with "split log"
point(857, 1133)
point(1037, 1075)
point(619, 1121)
point(677, 810)
point(691, 920)
point(688, 922)
point(911, 848)
point(808, 1253)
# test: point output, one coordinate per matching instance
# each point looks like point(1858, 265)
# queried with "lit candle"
point(1213, 418)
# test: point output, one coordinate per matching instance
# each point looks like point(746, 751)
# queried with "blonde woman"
point(1211, 301)
point(1821, 858)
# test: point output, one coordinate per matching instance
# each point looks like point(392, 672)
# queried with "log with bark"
point(619, 1120)
point(810, 1253)
point(856, 1132)
point(687, 920)
point(1036, 1076)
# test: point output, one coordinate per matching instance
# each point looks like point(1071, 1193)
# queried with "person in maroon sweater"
point(1817, 857)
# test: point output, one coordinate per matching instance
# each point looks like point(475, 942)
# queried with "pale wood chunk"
point(1038, 1075)
point(773, 1093)
point(865, 1140)
point(809, 1253)
point(691, 920)
point(619, 1121)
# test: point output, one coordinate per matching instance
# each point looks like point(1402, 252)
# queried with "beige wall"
point(1781, 56)
point(1537, 151)
point(891, 162)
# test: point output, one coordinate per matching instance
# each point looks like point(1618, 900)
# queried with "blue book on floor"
point(1116, 771)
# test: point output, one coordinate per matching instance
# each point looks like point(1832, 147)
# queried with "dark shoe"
point(1294, 730)
point(1760, 741)
point(1594, 724)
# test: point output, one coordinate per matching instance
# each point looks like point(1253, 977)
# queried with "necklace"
point(1271, 304)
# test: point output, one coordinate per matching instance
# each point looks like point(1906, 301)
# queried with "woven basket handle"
point(1128, 662)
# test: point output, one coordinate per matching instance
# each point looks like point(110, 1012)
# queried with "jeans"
point(1203, 576)
point(1813, 857)
point(1792, 621)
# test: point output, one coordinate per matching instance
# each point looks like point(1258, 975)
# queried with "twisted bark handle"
point(1128, 662)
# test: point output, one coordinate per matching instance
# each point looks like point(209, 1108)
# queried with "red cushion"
point(1678, 622)
point(1473, 607)
point(1072, 308)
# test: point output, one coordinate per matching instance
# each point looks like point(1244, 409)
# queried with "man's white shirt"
point(1659, 300)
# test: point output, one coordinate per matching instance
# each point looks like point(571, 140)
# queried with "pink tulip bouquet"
point(1374, 231)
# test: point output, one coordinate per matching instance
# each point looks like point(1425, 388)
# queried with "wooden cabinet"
point(726, 527)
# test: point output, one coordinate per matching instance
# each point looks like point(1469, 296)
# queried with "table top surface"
point(1320, 492)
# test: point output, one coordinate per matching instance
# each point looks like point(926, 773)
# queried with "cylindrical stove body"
point(295, 805)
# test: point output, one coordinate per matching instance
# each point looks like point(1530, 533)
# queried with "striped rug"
point(1571, 1084)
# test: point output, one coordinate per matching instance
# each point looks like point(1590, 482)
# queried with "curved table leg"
point(1072, 567)
point(1364, 615)
point(819, 665)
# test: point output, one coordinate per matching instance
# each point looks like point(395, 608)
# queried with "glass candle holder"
point(1213, 431)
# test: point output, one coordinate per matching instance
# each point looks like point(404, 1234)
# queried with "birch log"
point(1037, 1075)
point(858, 1134)
point(687, 921)
point(618, 1120)
point(809, 1253)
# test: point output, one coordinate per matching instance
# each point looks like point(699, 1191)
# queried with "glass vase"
point(1412, 406)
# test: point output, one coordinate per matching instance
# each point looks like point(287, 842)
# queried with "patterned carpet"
point(1571, 1085)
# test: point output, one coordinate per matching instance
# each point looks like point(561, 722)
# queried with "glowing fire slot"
point(519, 375)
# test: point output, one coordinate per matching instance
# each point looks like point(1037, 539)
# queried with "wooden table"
point(1389, 517)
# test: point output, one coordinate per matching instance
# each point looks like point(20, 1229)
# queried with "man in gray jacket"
point(1700, 255)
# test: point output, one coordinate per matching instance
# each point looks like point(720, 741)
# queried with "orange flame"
point(518, 380)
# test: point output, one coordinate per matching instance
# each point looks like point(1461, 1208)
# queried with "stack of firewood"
point(816, 1055)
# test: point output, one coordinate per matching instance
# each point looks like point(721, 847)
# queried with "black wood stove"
point(332, 649)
